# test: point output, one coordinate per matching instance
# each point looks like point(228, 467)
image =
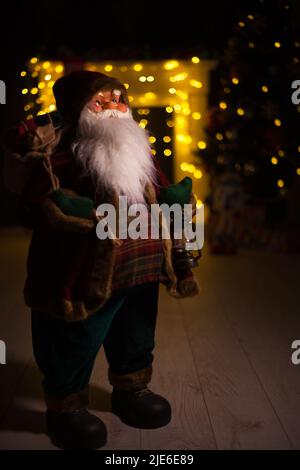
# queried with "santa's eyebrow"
point(117, 92)
point(100, 93)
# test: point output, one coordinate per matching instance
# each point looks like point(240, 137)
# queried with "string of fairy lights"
point(169, 83)
point(284, 44)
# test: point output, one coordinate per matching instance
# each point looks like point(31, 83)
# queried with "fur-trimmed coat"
point(70, 270)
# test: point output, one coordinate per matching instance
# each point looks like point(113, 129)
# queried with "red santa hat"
point(73, 91)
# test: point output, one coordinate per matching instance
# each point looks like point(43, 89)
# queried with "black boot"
point(141, 408)
point(76, 429)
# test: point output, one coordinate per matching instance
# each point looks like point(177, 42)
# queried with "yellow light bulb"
point(170, 123)
point(150, 78)
point(280, 183)
point(152, 139)
point(240, 111)
point(41, 85)
point(59, 68)
point(277, 122)
point(169, 109)
point(195, 60)
point(198, 174)
point(33, 60)
point(46, 65)
point(196, 116)
point(274, 160)
point(108, 68)
point(167, 152)
point(223, 105)
point(241, 24)
point(153, 151)
point(201, 145)
point(298, 171)
point(142, 78)
point(265, 89)
point(34, 91)
point(167, 139)
point(277, 44)
point(235, 81)
point(137, 67)
point(48, 76)
point(172, 91)
point(184, 166)
point(24, 91)
point(23, 73)
point(219, 136)
point(171, 64)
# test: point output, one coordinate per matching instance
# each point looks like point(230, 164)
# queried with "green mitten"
point(73, 205)
point(179, 193)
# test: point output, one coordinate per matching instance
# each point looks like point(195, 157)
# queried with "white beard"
point(115, 152)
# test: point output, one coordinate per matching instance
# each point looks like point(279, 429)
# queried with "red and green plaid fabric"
point(138, 261)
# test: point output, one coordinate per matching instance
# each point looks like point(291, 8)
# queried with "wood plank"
point(240, 411)
point(175, 378)
point(266, 324)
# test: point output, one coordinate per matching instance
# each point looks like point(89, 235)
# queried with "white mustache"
point(115, 113)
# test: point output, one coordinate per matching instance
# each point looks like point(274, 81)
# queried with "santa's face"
point(107, 100)
point(112, 147)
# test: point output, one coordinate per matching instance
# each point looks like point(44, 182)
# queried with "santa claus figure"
point(85, 292)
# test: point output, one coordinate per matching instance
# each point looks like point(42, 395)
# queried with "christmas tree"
point(252, 125)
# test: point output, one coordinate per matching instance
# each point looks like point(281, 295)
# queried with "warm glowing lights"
point(46, 65)
point(23, 73)
point(153, 151)
point(240, 112)
point(196, 83)
point(152, 139)
point(277, 122)
point(59, 68)
point(251, 45)
point(179, 77)
point(137, 67)
point(34, 90)
point(169, 109)
point(223, 105)
point(196, 116)
point(195, 60)
point(201, 145)
point(265, 89)
point(219, 136)
point(171, 65)
point(198, 174)
point(172, 91)
point(277, 44)
point(281, 153)
point(250, 17)
point(108, 68)
point(24, 91)
point(274, 160)
point(241, 24)
point(150, 78)
point(280, 183)
point(126, 85)
point(144, 111)
point(235, 81)
point(33, 60)
point(48, 76)
point(167, 139)
point(170, 123)
point(298, 171)
point(167, 152)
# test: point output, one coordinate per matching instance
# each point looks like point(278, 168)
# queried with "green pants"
point(125, 325)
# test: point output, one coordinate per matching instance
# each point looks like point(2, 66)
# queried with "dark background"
point(135, 30)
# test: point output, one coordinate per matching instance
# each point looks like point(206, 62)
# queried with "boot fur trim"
point(131, 381)
point(72, 402)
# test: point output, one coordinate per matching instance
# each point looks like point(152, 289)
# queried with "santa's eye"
point(98, 103)
point(114, 100)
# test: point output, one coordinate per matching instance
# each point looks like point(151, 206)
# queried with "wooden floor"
point(223, 359)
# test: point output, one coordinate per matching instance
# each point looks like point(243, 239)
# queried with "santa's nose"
point(109, 105)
